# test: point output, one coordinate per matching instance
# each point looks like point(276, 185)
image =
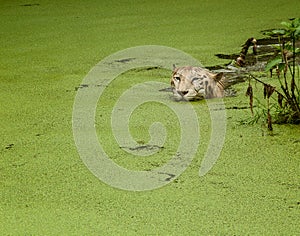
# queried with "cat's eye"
point(177, 78)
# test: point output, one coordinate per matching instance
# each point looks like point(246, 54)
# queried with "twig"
point(253, 77)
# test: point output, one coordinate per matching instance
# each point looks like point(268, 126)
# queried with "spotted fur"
point(195, 83)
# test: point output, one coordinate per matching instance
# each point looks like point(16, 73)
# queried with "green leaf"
point(277, 47)
point(296, 22)
point(274, 32)
point(288, 47)
point(269, 33)
point(271, 64)
point(286, 24)
point(297, 32)
point(279, 32)
point(281, 66)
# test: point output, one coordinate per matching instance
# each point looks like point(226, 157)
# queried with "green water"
point(46, 51)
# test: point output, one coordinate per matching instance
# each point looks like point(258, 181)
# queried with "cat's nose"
point(182, 93)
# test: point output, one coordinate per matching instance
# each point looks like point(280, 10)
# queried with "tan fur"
point(194, 83)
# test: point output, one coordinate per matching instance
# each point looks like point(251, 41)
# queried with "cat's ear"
point(218, 76)
point(174, 67)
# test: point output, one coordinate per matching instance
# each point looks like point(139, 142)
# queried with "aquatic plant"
point(287, 109)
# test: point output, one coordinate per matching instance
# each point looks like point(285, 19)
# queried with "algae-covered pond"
point(49, 47)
